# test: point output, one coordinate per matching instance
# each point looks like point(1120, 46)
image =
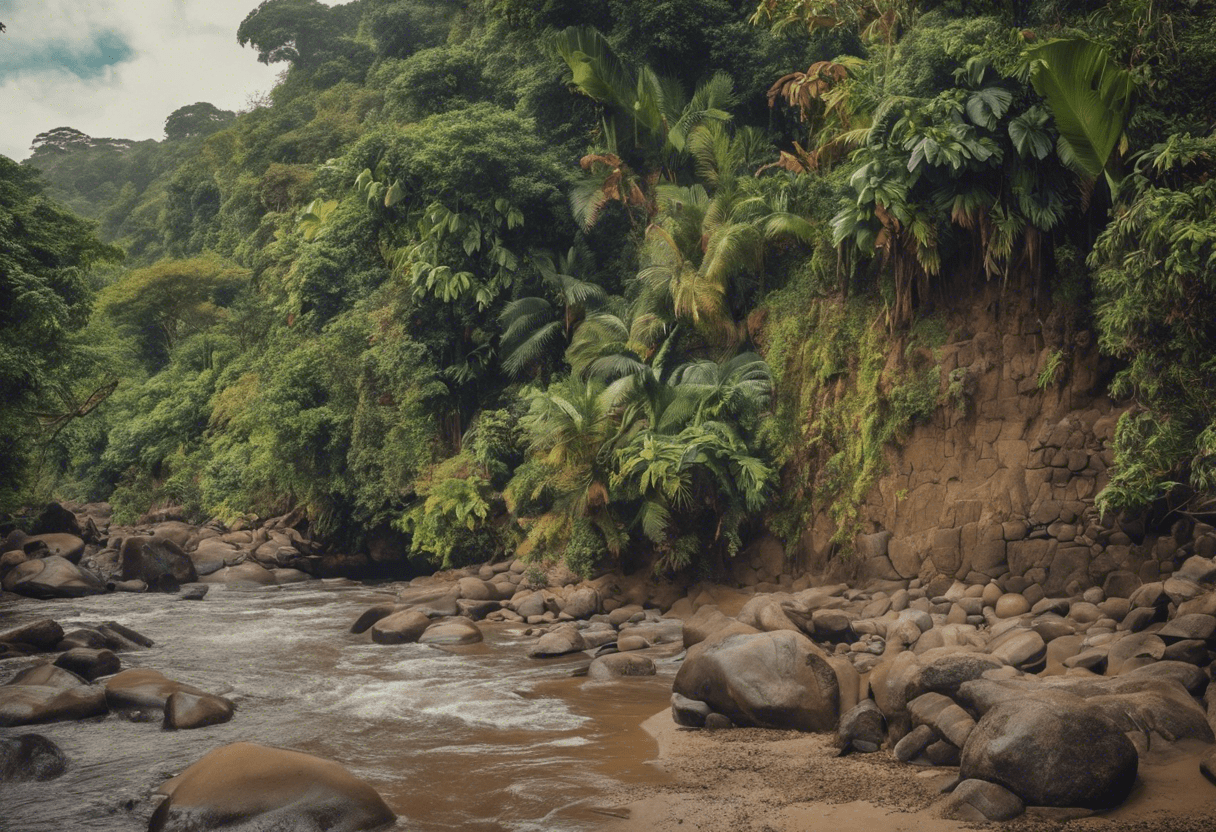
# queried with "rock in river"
point(157, 561)
point(46, 693)
point(245, 787)
point(30, 757)
point(52, 577)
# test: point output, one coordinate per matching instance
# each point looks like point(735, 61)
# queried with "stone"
point(70, 547)
point(688, 712)
point(940, 713)
point(451, 632)
point(833, 625)
point(403, 627)
point(249, 573)
point(946, 674)
point(1120, 584)
point(46, 693)
point(559, 642)
point(143, 688)
point(1052, 749)
point(185, 710)
point(582, 603)
point(615, 665)
point(774, 680)
point(766, 615)
point(370, 616)
point(1207, 766)
point(475, 589)
point(718, 722)
point(89, 664)
point(914, 743)
point(243, 787)
point(1192, 626)
point(863, 728)
point(52, 577)
point(157, 561)
point(1022, 649)
point(942, 753)
point(30, 757)
point(980, 801)
point(627, 643)
point(1125, 652)
point(42, 634)
point(193, 592)
point(1190, 651)
point(1011, 605)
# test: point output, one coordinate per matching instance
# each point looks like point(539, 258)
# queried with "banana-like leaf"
point(1090, 97)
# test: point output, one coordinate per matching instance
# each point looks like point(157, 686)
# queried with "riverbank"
point(786, 781)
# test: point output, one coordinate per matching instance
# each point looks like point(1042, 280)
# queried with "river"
point(484, 740)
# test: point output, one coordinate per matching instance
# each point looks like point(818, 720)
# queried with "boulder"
point(979, 801)
point(70, 547)
point(710, 621)
point(245, 787)
point(582, 603)
point(451, 632)
point(940, 713)
point(773, 680)
point(249, 573)
point(945, 674)
point(30, 757)
point(558, 643)
point(1052, 749)
point(55, 519)
point(193, 592)
point(370, 616)
point(615, 665)
point(46, 693)
point(157, 561)
point(185, 709)
point(399, 627)
point(863, 728)
point(688, 712)
point(142, 688)
point(52, 577)
point(89, 664)
point(43, 634)
point(765, 614)
point(914, 743)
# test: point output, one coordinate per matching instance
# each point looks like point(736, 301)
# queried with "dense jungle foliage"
point(582, 279)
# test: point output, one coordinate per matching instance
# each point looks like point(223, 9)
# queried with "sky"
point(118, 68)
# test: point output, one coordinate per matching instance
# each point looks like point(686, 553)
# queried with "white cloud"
point(183, 51)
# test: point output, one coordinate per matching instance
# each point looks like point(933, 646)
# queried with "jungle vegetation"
point(574, 279)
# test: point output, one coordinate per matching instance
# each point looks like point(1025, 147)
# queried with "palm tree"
point(533, 326)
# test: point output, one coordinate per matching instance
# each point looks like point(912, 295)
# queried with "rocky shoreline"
point(987, 704)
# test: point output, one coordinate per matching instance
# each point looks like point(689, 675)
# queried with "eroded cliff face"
point(1000, 482)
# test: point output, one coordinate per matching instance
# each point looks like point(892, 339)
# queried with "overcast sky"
point(117, 68)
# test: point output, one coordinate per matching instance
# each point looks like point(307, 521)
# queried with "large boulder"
point(185, 709)
point(143, 688)
point(1052, 749)
point(30, 757)
point(55, 519)
point(558, 643)
point(46, 693)
point(89, 664)
point(773, 680)
point(52, 577)
point(42, 634)
point(245, 787)
point(247, 574)
point(402, 627)
point(157, 561)
point(615, 665)
point(451, 632)
point(67, 546)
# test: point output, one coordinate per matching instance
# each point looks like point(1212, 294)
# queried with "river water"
point(484, 740)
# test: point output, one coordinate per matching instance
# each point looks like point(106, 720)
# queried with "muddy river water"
point(484, 740)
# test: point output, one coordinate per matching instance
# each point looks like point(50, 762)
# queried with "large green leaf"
point(1090, 98)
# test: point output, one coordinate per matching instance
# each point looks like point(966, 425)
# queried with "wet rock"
point(690, 713)
point(89, 664)
point(627, 643)
point(398, 628)
point(43, 634)
point(141, 688)
point(980, 801)
point(111, 628)
point(451, 632)
point(30, 757)
point(46, 693)
point(84, 637)
point(1052, 749)
point(193, 592)
point(185, 710)
point(863, 728)
point(370, 616)
point(244, 787)
point(775, 680)
point(558, 643)
point(476, 610)
point(52, 577)
point(620, 664)
point(158, 562)
point(248, 573)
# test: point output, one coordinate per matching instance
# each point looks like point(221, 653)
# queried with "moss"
point(847, 392)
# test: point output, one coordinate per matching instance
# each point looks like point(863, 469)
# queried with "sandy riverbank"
point(759, 780)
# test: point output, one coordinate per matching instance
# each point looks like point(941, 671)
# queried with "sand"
point(758, 780)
